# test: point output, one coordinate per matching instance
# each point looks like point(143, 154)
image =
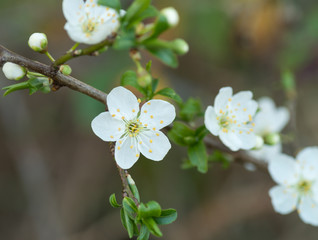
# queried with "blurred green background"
point(56, 175)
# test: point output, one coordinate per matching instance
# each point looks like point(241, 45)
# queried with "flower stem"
point(49, 56)
point(73, 48)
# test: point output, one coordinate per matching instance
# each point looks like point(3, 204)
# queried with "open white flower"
point(231, 118)
point(269, 120)
point(89, 22)
point(135, 131)
point(297, 184)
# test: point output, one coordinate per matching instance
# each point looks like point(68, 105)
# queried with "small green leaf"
point(149, 12)
point(198, 156)
point(220, 157)
point(160, 26)
point(113, 201)
point(151, 209)
point(136, 9)
point(167, 216)
point(133, 187)
point(127, 222)
point(167, 56)
point(154, 84)
point(144, 233)
point(148, 66)
point(125, 40)
point(181, 134)
point(130, 78)
point(169, 92)
point(190, 109)
point(130, 206)
point(15, 87)
point(110, 3)
point(152, 226)
point(201, 132)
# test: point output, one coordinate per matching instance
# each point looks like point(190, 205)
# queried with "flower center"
point(304, 186)
point(133, 128)
point(89, 26)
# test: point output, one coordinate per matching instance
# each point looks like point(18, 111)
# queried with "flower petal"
point(283, 170)
point(122, 103)
point(211, 122)
point(107, 128)
point(307, 160)
point(72, 9)
point(308, 210)
point(284, 199)
point(153, 145)
point(238, 139)
point(266, 153)
point(222, 99)
point(246, 111)
point(157, 114)
point(126, 152)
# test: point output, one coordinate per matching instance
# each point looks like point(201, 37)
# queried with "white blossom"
point(38, 42)
point(231, 119)
point(13, 71)
point(171, 15)
point(89, 22)
point(134, 130)
point(297, 184)
point(269, 121)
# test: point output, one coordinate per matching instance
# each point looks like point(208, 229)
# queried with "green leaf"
point(198, 156)
point(154, 84)
point(149, 12)
point(201, 132)
point(111, 3)
point(181, 134)
point(127, 222)
point(220, 157)
point(167, 216)
point(113, 201)
point(190, 109)
point(169, 92)
point(15, 87)
point(152, 226)
point(133, 187)
point(144, 233)
point(136, 9)
point(151, 209)
point(130, 78)
point(130, 206)
point(125, 40)
point(161, 25)
point(167, 56)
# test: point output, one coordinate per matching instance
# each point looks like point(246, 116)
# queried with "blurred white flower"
point(269, 121)
point(134, 131)
point(297, 184)
point(38, 42)
point(13, 71)
point(231, 119)
point(89, 22)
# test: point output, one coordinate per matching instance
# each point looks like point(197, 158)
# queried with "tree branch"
point(79, 86)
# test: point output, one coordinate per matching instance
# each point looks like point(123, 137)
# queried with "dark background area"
point(56, 175)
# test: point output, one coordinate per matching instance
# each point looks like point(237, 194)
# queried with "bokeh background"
point(56, 175)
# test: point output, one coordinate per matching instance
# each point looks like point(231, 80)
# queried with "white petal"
point(314, 189)
point(122, 103)
point(222, 99)
point(266, 153)
point(281, 119)
point(153, 145)
point(238, 140)
point(210, 121)
point(71, 8)
point(284, 199)
point(283, 170)
point(307, 160)
point(246, 111)
point(75, 32)
point(157, 114)
point(308, 210)
point(242, 97)
point(126, 152)
point(108, 128)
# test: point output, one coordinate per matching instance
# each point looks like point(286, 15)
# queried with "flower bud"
point(65, 69)
point(180, 46)
point(272, 139)
point(259, 143)
point(38, 42)
point(171, 15)
point(144, 78)
point(13, 71)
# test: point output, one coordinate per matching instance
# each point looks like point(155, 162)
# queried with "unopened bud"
point(171, 15)
point(38, 42)
point(180, 46)
point(13, 71)
point(65, 69)
point(144, 78)
point(259, 143)
point(272, 139)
